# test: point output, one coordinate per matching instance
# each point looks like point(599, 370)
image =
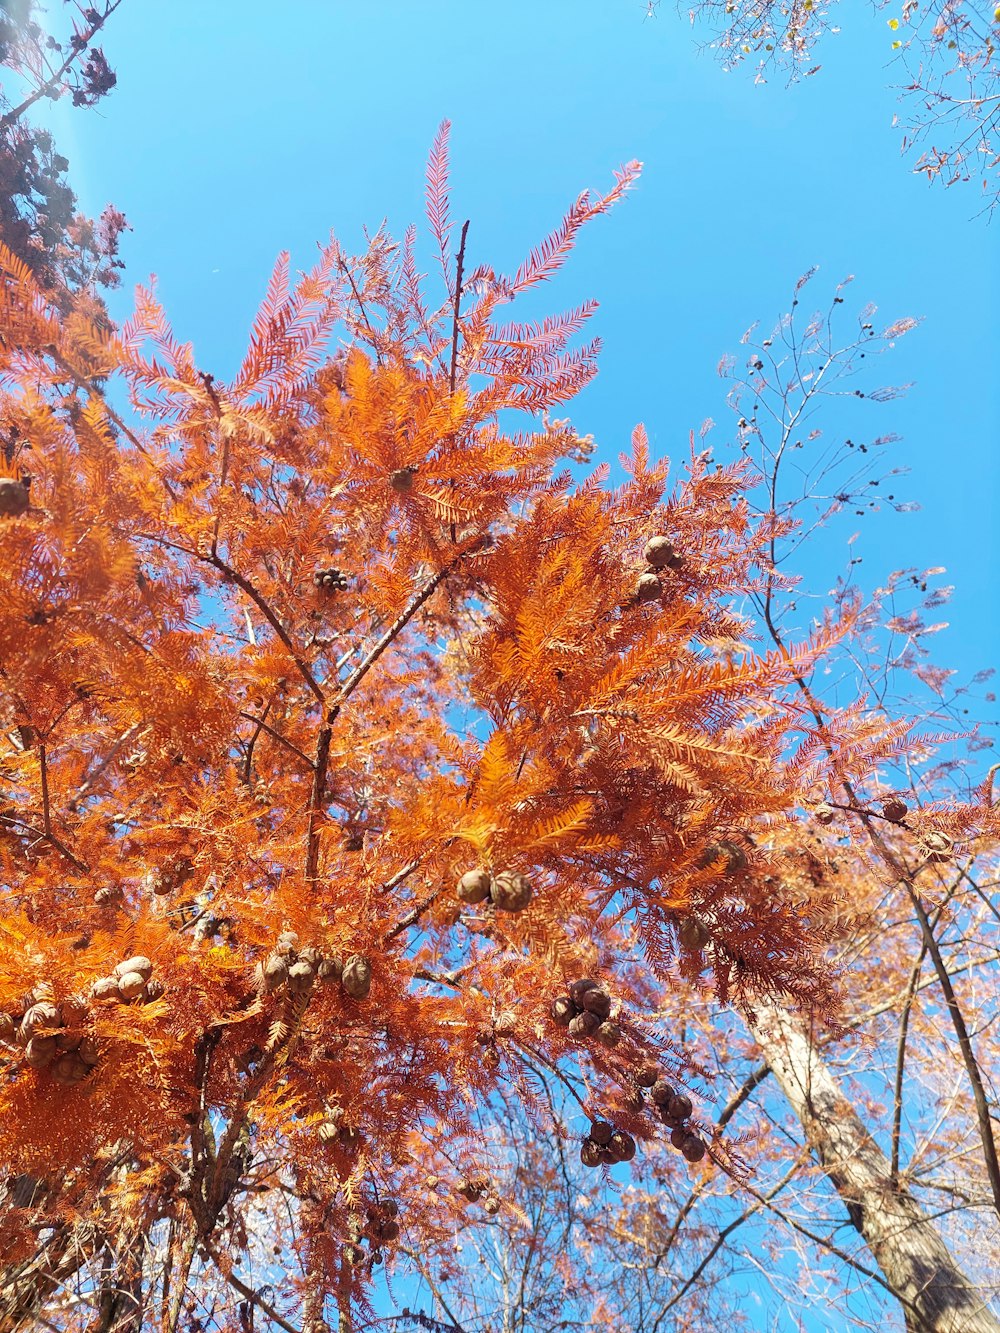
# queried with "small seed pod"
point(678, 1137)
point(106, 895)
point(824, 814)
point(601, 1132)
point(44, 1015)
point(105, 988)
point(609, 1033)
point(577, 990)
point(511, 892)
point(431, 1182)
point(7, 1027)
point(895, 809)
point(622, 1145)
point(74, 1009)
point(388, 1230)
point(661, 1092)
point(583, 1026)
point(376, 1257)
point(389, 1208)
point(597, 1001)
point(327, 1132)
point(300, 978)
point(648, 588)
point(310, 955)
point(937, 846)
point(609, 1152)
point(275, 973)
point(131, 985)
point(402, 479)
point(350, 1138)
point(474, 886)
point(357, 977)
point(88, 1052)
point(64, 1069)
point(731, 854)
point(491, 1205)
point(630, 1100)
point(658, 552)
point(331, 579)
point(693, 1148)
point(563, 1010)
point(40, 1052)
point(14, 498)
point(287, 943)
point(155, 990)
point(646, 1075)
point(679, 1106)
point(590, 1153)
point(68, 1041)
point(330, 969)
point(469, 1191)
point(138, 964)
point(693, 934)
point(80, 1067)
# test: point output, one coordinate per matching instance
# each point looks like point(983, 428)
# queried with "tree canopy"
point(411, 832)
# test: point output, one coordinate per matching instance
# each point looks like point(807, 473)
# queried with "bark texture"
point(917, 1265)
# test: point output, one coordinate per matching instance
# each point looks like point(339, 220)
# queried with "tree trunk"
point(919, 1269)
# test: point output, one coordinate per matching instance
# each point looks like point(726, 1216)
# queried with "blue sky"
point(238, 130)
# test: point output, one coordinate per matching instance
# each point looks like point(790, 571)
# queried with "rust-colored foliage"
point(285, 657)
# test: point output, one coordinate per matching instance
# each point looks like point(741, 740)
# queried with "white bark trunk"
point(919, 1269)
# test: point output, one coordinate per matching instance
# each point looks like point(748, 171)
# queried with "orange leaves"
point(550, 256)
point(437, 197)
point(311, 644)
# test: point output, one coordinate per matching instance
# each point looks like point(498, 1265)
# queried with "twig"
point(82, 382)
point(552, 1068)
point(456, 312)
point(50, 84)
point(358, 675)
point(413, 916)
point(57, 843)
point(262, 725)
point(316, 795)
point(361, 306)
point(460, 266)
point(43, 770)
point(244, 584)
point(252, 1295)
point(760, 1202)
point(85, 788)
point(897, 1085)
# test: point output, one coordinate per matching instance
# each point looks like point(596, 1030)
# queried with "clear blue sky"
point(238, 129)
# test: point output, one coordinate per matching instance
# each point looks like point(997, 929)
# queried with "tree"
point(363, 773)
point(69, 255)
point(945, 55)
